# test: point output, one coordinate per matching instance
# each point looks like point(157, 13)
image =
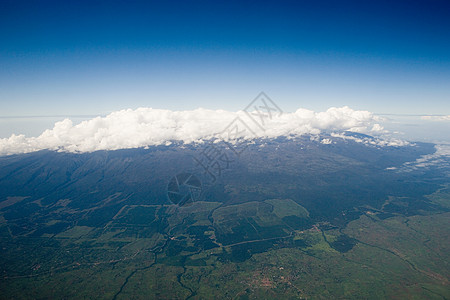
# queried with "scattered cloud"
point(440, 158)
point(436, 118)
point(147, 126)
point(375, 141)
point(391, 168)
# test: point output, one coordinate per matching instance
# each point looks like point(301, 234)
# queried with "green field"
point(245, 251)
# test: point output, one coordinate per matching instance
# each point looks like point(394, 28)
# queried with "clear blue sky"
point(93, 57)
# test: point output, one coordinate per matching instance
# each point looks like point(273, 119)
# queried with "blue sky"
point(94, 57)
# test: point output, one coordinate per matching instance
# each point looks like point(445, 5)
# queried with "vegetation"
point(67, 232)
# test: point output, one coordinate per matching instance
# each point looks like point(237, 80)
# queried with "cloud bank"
point(147, 126)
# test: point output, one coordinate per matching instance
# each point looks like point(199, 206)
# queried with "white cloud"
point(440, 158)
point(326, 141)
point(372, 140)
point(391, 168)
point(146, 126)
point(436, 118)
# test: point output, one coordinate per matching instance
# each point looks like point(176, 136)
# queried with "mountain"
point(169, 221)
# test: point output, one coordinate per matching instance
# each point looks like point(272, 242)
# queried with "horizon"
point(144, 127)
point(407, 127)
